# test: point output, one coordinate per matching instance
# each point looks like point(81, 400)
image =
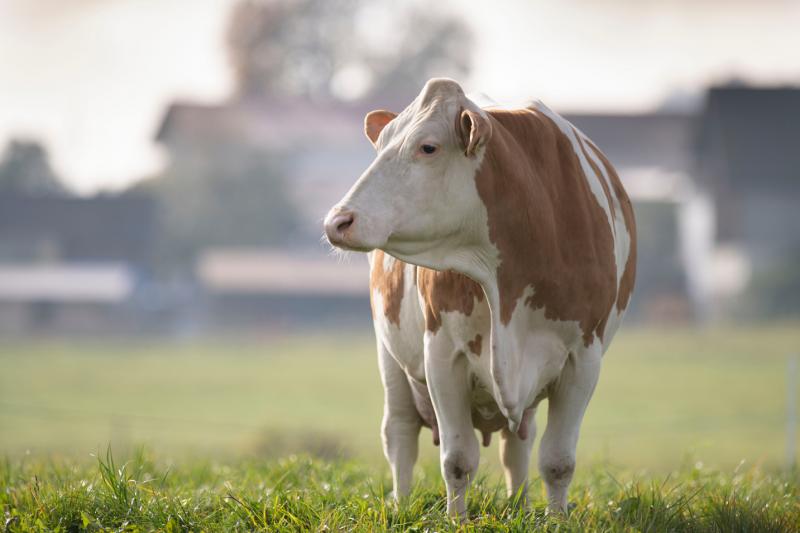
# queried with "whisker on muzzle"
point(342, 256)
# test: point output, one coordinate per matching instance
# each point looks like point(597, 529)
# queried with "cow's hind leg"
point(446, 371)
point(401, 423)
point(515, 454)
point(567, 401)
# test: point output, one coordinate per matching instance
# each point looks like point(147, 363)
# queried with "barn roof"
point(269, 123)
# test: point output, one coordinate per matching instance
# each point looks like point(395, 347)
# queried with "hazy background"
point(165, 165)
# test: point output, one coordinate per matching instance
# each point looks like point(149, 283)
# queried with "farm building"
point(748, 161)
point(321, 147)
point(265, 290)
point(73, 265)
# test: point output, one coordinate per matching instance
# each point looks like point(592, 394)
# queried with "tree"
point(25, 169)
point(299, 48)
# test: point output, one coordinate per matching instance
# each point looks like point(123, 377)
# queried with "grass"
point(686, 432)
point(310, 494)
point(665, 398)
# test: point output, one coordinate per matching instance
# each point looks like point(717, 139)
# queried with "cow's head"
point(419, 193)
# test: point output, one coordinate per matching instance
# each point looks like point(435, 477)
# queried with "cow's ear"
point(374, 123)
point(474, 131)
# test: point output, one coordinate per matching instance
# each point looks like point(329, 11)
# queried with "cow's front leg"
point(401, 423)
point(515, 454)
point(447, 375)
point(567, 401)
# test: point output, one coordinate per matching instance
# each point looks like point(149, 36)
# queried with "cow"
point(502, 250)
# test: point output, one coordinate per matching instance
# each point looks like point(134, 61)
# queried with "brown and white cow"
point(503, 256)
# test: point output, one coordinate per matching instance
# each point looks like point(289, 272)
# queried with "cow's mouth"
point(352, 247)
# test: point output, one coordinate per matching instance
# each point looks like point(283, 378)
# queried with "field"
point(310, 494)
point(686, 431)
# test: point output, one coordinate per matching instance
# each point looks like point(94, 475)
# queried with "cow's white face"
point(419, 193)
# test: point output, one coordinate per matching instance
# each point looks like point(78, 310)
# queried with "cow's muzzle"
point(338, 224)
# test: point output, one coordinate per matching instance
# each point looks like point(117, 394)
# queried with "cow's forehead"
point(437, 103)
point(441, 88)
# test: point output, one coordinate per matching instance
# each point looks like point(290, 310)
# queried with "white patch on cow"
point(483, 100)
point(533, 352)
point(403, 340)
point(388, 262)
point(621, 234)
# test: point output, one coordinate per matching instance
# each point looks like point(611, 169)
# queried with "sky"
point(92, 78)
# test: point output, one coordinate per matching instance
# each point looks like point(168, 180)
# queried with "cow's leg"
point(567, 401)
point(446, 371)
point(515, 454)
point(401, 423)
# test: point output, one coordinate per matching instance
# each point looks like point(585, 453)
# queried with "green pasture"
point(139, 492)
point(666, 399)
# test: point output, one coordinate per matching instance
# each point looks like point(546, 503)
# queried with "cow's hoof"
point(562, 511)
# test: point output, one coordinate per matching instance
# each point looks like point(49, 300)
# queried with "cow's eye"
point(428, 148)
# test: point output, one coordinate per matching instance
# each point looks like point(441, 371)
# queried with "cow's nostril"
point(345, 222)
point(337, 225)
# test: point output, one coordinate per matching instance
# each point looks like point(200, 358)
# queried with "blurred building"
point(715, 193)
point(73, 265)
point(322, 147)
point(748, 161)
point(103, 228)
point(748, 158)
point(264, 290)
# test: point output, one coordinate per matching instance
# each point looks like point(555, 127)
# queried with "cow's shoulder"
point(447, 290)
point(549, 218)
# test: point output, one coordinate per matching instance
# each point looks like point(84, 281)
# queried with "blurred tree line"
point(25, 169)
point(304, 47)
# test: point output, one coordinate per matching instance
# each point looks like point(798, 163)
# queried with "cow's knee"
point(459, 467)
point(557, 471)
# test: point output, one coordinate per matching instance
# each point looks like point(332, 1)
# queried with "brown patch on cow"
point(446, 291)
point(629, 274)
point(476, 345)
point(549, 229)
point(389, 284)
